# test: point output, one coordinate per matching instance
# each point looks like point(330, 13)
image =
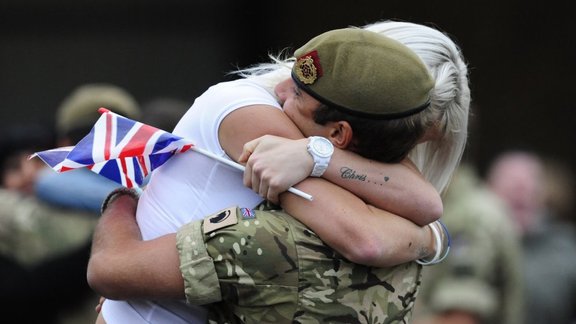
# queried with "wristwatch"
point(321, 150)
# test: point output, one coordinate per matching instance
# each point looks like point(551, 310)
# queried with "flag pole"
point(241, 168)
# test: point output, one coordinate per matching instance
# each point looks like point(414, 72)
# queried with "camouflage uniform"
point(32, 231)
point(267, 267)
point(482, 274)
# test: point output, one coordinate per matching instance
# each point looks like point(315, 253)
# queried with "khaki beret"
point(80, 109)
point(472, 295)
point(363, 73)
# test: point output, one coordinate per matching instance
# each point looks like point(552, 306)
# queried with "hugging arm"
point(123, 266)
point(275, 163)
point(360, 232)
point(278, 148)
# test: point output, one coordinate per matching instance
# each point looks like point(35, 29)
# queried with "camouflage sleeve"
point(270, 268)
point(197, 267)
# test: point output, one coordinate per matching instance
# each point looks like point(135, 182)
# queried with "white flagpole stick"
point(241, 168)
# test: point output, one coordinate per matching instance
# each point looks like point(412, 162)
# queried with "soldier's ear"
point(340, 134)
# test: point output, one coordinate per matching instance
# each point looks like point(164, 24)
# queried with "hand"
point(98, 307)
point(274, 164)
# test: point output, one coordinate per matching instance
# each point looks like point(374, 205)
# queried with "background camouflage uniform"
point(32, 231)
point(49, 244)
point(482, 274)
point(272, 269)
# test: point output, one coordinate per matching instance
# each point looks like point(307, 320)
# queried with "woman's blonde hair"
point(450, 98)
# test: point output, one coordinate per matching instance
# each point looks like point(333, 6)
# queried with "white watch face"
point(322, 147)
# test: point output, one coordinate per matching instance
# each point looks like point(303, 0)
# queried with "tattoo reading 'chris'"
point(348, 173)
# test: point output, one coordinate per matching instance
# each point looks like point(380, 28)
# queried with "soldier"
point(44, 249)
point(548, 244)
point(480, 279)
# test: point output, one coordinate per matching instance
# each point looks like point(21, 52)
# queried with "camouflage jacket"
point(270, 268)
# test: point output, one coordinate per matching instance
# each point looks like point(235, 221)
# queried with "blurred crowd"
point(47, 218)
point(513, 238)
point(513, 257)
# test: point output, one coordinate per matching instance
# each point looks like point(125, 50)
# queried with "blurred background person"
point(559, 191)
point(478, 283)
point(164, 112)
point(81, 188)
point(47, 218)
point(44, 249)
point(17, 142)
point(549, 246)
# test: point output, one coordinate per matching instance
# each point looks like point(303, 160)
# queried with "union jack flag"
point(247, 213)
point(118, 148)
point(126, 151)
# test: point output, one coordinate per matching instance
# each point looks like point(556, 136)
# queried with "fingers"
point(272, 195)
point(251, 178)
point(256, 184)
point(98, 307)
point(260, 159)
point(247, 176)
point(247, 150)
point(260, 180)
point(262, 189)
point(267, 182)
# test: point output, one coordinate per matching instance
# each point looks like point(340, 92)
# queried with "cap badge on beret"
point(308, 68)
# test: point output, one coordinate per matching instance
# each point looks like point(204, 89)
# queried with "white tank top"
point(189, 187)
